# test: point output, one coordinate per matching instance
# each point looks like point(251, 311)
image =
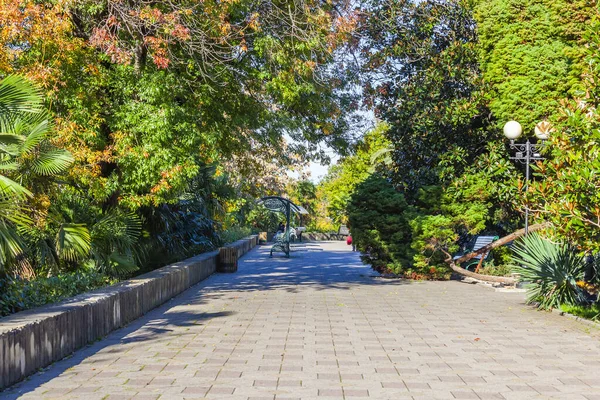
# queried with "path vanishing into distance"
point(321, 325)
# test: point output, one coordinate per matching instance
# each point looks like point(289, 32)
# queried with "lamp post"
point(526, 152)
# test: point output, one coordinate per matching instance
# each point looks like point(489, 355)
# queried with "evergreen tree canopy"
point(532, 55)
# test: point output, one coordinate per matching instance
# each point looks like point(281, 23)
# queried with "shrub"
point(18, 294)
point(263, 220)
point(378, 225)
point(552, 270)
point(490, 268)
point(234, 234)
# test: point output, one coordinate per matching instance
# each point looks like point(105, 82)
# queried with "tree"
point(342, 178)
point(532, 55)
point(26, 156)
point(376, 216)
point(422, 77)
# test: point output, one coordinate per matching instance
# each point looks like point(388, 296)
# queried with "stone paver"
point(321, 326)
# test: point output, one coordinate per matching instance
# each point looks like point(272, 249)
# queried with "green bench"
point(281, 244)
point(478, 243)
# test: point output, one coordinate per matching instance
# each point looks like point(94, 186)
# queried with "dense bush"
point(20, 294)
point(378, 225)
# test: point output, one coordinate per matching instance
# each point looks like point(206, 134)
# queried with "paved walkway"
point(320, 326)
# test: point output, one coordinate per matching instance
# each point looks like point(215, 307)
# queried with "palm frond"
point(11, 244)
point(37, 129)
point(8, 165)
point(8, 187)
point(73, 242)
point(10, 145)
point(52, 162)
point(122, 264)
point(17, 96)
point(8, 139)
point(115, 242)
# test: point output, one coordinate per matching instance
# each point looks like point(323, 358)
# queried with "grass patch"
point(588, 312)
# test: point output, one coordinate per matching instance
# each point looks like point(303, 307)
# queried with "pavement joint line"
point(283, 322)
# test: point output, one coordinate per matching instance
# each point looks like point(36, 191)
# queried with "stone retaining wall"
point(33, 339)
point(317, 236)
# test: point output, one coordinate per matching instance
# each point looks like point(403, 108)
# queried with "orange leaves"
point(225, 28)
point(180, 32)
point(254, 22)
point(163, 185)
point(127, 23)
point(31, 24)
point(151, 15)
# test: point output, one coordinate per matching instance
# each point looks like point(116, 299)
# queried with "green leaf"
point(73, 242)
point(52, 162)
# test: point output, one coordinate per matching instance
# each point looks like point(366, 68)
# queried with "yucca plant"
point(552, 269)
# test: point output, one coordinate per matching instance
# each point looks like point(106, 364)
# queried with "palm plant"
point(16, 98)
point(114, 243)
point(552, 269)
point(25, 153)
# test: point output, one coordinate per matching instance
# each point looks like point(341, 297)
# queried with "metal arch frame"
point(285, 206)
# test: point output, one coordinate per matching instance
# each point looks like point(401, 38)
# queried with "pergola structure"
point(287, 207)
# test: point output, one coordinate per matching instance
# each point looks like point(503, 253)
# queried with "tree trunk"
point(140, 57)
point(455, 264)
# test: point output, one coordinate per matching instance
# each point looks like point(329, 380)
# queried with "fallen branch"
point(455, 264)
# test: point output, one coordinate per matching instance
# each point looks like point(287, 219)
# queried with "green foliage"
point(499, 263)
point(423, 57)
point(531, 54)
point(17, 97)
point(343, 178)
point(567, 187)
point(304, 193)
point(552, 270)
point(234, 234)
point(114, 243)
point(378, 225)
point(262, 220)
point(168, 118)
point(26, 156)
point(431, 235)
point(17, 294)
point(591, 312)
point(493, 269)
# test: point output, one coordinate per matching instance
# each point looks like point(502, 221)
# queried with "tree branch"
point(455, 264)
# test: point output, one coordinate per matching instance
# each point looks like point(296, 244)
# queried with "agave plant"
point(552, 269)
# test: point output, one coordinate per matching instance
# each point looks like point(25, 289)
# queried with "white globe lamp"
point(543, 130)
point(512, 130)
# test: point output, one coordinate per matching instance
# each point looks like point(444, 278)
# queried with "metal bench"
point(281, 244)
point(285, 206)
point(475, 262)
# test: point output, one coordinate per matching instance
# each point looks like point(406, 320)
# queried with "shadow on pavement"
point(312, 266)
